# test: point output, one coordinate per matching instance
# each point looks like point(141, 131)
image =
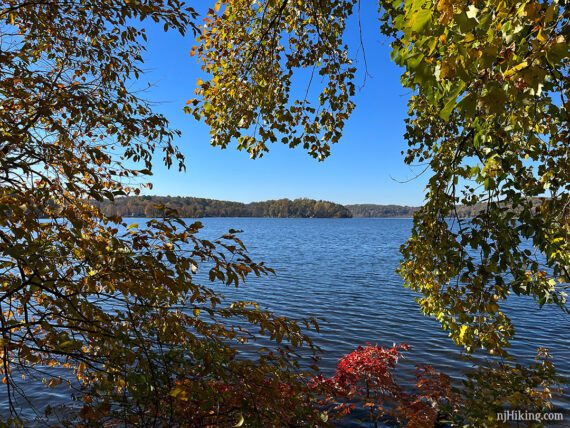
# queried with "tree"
point(261, 43)
point(490, 115)
point(191, 207)
point(122, 309)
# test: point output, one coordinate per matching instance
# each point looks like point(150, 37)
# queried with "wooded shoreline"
point(191, 207)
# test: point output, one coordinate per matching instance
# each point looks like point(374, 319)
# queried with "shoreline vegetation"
point(191, 207)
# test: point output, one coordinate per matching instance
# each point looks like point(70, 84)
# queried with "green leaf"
point(449, 106)
point(420, 19)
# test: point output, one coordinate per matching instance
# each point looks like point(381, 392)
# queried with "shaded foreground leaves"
point(119, 308)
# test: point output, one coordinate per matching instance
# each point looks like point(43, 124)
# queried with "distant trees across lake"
point(404, 211)
point(373, 210)
point(190, 207)
point(149, 206)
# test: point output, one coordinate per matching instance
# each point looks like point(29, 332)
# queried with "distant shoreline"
point(190, 207)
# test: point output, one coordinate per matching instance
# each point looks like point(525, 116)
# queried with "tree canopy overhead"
point(488, 114)
point(253, 52)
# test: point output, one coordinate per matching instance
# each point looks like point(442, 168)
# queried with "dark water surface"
point(343, 270)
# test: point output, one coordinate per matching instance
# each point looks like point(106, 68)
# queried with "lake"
point(343, 270)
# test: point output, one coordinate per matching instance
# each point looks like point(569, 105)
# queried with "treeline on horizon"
point(191, 207)
point(404, 211)
point(379, 211)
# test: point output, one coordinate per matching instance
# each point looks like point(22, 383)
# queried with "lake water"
point(343, 270)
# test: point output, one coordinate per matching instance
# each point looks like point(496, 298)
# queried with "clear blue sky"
point(363, 168)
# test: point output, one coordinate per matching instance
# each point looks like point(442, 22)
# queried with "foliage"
point(365, 381)
point(460, 211)
point(189, 207)
point(251, 50)
point(150, 206)
point(253, 397)
point(366, 376)
point(489, 115)
point(373, 210)
point(498, 386)
point(123, 310)
point(120, 309)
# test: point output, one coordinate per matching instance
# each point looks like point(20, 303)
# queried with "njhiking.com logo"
point(526, 416)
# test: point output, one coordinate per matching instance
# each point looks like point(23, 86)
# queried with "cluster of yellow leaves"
point(255, 54)
point(491, 119)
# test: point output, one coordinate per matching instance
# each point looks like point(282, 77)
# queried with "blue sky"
point(365, 167)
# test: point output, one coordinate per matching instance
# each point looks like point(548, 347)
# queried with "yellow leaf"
point(462, 332)
point(179, 393)
point(240, 422)
point(516, 69)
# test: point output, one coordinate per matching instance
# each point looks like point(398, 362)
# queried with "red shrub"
point(365, 379)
